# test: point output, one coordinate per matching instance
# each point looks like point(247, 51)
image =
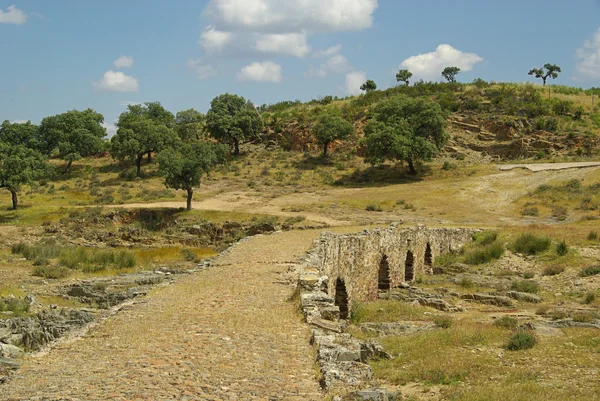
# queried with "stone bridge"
point(360, 265)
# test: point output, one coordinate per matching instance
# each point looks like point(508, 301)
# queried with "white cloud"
point(588, 64)
point(12, 15)
point(213, 41)
point(116, 81)
point(429, 66)
point(126, 103)
point(337, 64)
point(328, 52)
point(293, 15)
point(19, 121)
point(111, 129)
point(201, 70)
point(261, 72)
point(123, 62)
point(354, 81)
point(291, 44)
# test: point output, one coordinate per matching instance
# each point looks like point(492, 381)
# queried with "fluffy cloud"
point(201, 70)
point(293, 15)
point(354, 81)
point(12, 15)
point(261, 72)
point(111, 129)
point(116, 81)
point(123, 62)
point(337, 64)
point(429, 66)
point(213, 41)
point(588, 56)
point(292, 44)
point(333, 50)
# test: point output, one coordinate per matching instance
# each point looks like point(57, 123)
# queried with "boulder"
point(10, 351)
point(497, 300)
point(524, 297)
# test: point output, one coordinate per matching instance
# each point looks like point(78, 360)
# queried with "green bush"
point(589, 298)
point(484, 254)
point(521, 340)
point(448, 166)
point(466, 282)
point(590, 271)
point(528, 275)
point(373, 208)
point(443, 322)
point(52, 272)
point(592, 236)
point(553, 270)
point(562, 248)
point(14, 305)
point(530, 244)
point(485, 237)
point(526, 286)
point(530, 211)
point(507, 322)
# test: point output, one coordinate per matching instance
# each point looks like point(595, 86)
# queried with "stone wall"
point(372, 260)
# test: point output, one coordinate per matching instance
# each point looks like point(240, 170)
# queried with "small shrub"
point(590, 297)
point(590, 271)
point(357, 313)
point(189, 255)
point(443, 322)
point(558, 314)
point(466, 282)
point(521, 340)
point(448, 166)
point(592, 236)
point(485, 254)
point(584, 317)
point(528, 275)
point(373, 208)
point(530, 211)
point(52, 272)
point(562, 248)
point(560, 213)
point(486, 237)
point(526, 286)
point(542, 310)
point(553, 270)
point(507, 322)
point(530, 244)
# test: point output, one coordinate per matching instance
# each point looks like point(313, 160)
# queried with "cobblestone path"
point(227, 333)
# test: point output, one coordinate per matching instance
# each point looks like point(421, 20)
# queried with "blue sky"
point(73, 54)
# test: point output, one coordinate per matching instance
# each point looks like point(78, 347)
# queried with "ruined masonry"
point(342, 269)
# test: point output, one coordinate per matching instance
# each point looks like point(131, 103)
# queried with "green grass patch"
point(521, 340)
point(526, 286)
point(530, 244)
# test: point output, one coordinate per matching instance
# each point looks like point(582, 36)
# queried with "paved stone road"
point(227, 333)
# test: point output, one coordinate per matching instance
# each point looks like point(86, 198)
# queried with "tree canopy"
point(20, 134)
point(450, 73)
point(368, 86)
point(331, 127)
point(19, 165)
point(184, 166)
point(404, 76)
point(231, 119)
point(75, 133)
point(139, 134)
point(404, 129)
point(548, 71)
point(190, 125)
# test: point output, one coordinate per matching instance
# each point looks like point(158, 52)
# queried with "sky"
point(105, 54)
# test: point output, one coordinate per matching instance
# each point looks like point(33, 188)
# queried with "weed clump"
point(506, 322)
point(373, 208)
point(553, 270)
point(530, 244)
point(528, 286)
point(590, 271)
point(443, 322)
point(592, 236)
point(521, 340)
point(51, 272)
point(590, 297)
point(562, 248)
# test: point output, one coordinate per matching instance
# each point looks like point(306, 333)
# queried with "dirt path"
point(227, 333)
point(535, 167)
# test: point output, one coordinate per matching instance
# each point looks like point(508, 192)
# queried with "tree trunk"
point(406, 82)
point(325, 146)
point(15, 201)
point(138, 164)
point(68, 170)
point(149, 157)
point(544, 80)
point(190, 193)
point(236, 146)
point(411, 166)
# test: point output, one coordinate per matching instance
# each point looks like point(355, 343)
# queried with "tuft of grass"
point(388, 311)
point(466, 282)
point(553, 270)
point(485, 237)
point(507, 322)
point(521, 340)
point(17, 306)
point(530, 244)
point(590, 297)
point(562, 248)
point(592, 236)
point(528, 286)
point(443, 322)
point(371, 207)
point(528, 275)
point(530, 211)
point(52, 272)
point(484, 254)
point(584, 317)
point(590, 271)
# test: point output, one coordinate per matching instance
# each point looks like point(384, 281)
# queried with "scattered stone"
point(497, 300)
point(524, 297)
point(11, 351)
